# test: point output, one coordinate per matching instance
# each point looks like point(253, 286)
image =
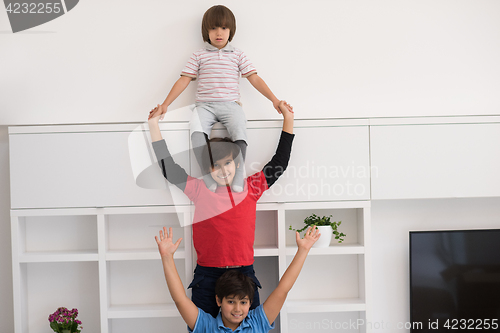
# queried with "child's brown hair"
point(218, 16)
point(216, 149)
point(234, 283)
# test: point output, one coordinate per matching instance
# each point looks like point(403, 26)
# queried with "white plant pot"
point(326, 236)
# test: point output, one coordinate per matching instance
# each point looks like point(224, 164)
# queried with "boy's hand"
point(286, 109)
point(277, 106)
point(154, 114)
point(159, 110)
point(310, 237)
point(166, 246)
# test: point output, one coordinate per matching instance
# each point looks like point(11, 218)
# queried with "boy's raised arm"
point(179, 86)
point(173, 172)
point(273, 304)
point(287, 117)
point(167, 248)
point(258, 83)
point(154, 127)
point(279, 162)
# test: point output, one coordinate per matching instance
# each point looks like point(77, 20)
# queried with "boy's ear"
point(218, 300)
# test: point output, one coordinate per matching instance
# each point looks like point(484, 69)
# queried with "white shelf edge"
point(434, 120)
point(266, 251)
point(325, 305)
point(100, 210)
point(52, 211)
point(265, 206)
point(169, 125)
point(53, 256)
point(119, 255)
point(142, 311)
point(326, 205)
point(299, 205)
point(331, 250)
point(147, 209)
point(175, 125)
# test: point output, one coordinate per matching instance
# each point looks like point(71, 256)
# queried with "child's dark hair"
point(234, 283)
point(216, 149)
point(218, 16)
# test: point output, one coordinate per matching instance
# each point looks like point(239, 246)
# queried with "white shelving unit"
point(118, 244)
point(90, 243)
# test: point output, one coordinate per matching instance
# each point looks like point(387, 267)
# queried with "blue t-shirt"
point(255, 322)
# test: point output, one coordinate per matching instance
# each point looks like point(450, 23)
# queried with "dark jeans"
point(203, 287)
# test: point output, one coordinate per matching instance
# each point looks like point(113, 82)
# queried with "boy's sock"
point(199, 141)
point(239, 177)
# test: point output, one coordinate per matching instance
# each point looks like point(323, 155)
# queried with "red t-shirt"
point(224, 221)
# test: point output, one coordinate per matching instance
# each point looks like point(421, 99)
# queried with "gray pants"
point(231, 115)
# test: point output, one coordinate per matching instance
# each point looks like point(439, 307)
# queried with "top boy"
point(218, 67)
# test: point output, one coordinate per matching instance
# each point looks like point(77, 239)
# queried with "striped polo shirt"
point(218, 72)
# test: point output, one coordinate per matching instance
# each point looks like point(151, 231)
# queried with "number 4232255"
point(471, 324)
point(34, 8)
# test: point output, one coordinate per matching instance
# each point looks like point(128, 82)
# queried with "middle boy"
point(224, 221)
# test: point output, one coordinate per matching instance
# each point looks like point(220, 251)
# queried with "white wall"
point(391, 222)
point(112, 61)
point(6, 309)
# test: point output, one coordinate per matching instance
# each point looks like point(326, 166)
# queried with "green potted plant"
point(326, 227)
point(64, 321)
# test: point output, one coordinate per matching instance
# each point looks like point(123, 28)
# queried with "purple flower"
point(63, 318)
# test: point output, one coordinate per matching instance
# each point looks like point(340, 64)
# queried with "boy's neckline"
point(227, 48)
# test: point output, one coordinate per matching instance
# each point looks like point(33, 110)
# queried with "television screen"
point(455, 280)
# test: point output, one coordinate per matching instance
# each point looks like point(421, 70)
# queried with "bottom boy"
point(233, 291)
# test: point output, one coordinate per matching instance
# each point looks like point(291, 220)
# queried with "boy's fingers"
point(307, 231)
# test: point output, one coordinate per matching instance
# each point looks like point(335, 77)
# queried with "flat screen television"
point(455, 280)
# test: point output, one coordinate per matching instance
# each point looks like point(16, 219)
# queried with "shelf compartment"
point(266, 229)
point(139, 282)
point(335, 277)
point(52, 285)
point(64, 235)
point(135, 233)
point(352, 225)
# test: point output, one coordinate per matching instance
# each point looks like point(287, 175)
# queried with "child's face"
point(233, 310)
point(223, 171)
point(218, 36)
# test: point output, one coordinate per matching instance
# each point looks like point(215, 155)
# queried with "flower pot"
point(326, 236)
point(66, 331)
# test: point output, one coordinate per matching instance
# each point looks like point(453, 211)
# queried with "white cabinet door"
point(435, 161)
point(89, 169)
point(327, 163)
